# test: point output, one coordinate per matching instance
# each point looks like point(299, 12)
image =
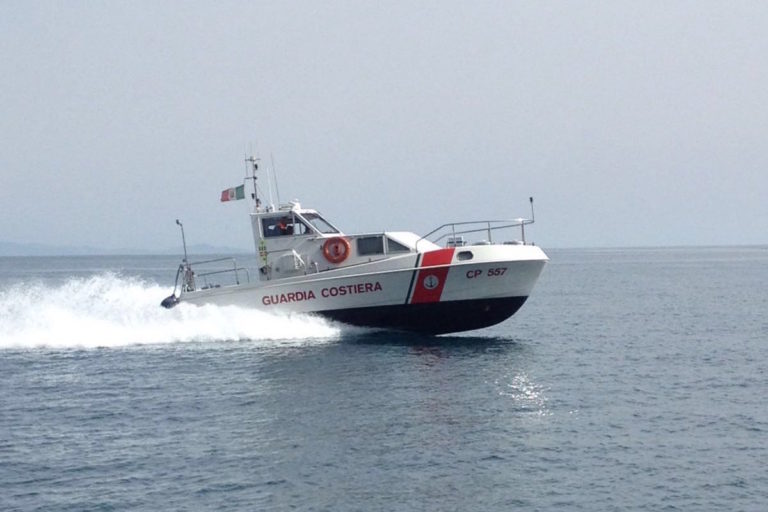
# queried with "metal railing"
point(189, 277)
point(456, 237)
point(454, 232)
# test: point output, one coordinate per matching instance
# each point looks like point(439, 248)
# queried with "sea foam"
point(110, 310)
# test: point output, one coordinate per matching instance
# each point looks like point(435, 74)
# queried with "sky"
point(630, 123)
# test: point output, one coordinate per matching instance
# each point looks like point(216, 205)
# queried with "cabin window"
point(393, 246)
point(299, 228)
point(278, 226)
point(369, 245)
point(319, 223)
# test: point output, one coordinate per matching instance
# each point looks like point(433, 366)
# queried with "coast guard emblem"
point(431, 282)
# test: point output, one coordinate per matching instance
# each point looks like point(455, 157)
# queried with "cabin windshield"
point(319, 223)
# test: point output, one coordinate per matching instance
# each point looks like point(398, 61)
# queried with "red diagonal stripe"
point(436, 258)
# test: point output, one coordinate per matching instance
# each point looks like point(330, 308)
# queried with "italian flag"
point(233, 194)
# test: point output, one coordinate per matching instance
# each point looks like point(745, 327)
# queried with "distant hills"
point(32, 249)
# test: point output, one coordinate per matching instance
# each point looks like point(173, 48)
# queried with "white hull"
point(414, 291)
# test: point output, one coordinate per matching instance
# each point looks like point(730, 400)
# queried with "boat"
point(459, 277)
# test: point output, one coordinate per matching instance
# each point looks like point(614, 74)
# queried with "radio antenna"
point(274, 173)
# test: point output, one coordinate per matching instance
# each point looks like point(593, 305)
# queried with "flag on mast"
point(233, 194)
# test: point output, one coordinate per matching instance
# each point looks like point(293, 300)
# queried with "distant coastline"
point(13, 249)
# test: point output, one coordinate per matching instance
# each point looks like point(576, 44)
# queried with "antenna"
point(533, 217)
point(274, 173)
point(269, 191)
point(183, 240)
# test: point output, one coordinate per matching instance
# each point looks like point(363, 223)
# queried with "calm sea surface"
point(631, 380)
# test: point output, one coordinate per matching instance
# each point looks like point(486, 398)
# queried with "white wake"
point(109, 310)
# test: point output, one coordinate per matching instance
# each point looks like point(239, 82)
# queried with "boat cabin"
point(293, 241)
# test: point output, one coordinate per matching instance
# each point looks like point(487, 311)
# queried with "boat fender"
point(336, 249)
point(170, 301)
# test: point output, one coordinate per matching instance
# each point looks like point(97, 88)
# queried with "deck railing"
point(189, 278)
point(478, 232)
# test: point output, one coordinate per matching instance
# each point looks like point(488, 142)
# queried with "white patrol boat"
point(459, 277)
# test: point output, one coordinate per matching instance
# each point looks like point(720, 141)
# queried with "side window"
point(299, 228)
point(277, 226)
point(368, 245)
point(393, 246)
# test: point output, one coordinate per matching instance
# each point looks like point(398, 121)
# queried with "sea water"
point(631, 380)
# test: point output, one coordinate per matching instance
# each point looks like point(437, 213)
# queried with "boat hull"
point(436, 292)
point(431, 318)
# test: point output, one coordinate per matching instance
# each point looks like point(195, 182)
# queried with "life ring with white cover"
point(336, 249)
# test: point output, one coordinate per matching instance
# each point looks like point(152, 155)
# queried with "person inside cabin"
point(284, 227)
point(278, 226)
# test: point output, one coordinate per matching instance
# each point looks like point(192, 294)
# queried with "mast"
point(252, 168)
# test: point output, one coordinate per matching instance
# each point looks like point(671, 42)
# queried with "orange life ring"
point(336, 249)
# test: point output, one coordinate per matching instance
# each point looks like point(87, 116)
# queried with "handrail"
point(488, 226)
point(226, 271)
point(188, 275)
point(216, 260)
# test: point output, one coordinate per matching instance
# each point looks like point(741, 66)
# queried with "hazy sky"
point(631, 123)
